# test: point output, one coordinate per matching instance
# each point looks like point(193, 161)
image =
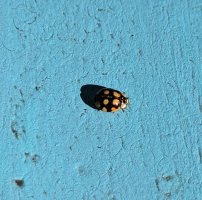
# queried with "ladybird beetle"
point(110, 100)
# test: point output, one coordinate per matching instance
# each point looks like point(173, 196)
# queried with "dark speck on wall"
point(167, 194)
point(35, 158)
point(157, 184)
point(168, 178)
point(19, 182)
point(14, 130)
point(26, 154)
point(37, 88)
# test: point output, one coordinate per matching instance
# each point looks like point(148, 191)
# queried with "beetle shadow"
point(88, 93)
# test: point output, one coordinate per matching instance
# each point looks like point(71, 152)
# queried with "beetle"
point(110, 100)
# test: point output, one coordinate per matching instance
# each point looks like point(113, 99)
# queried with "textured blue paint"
point(64, 149)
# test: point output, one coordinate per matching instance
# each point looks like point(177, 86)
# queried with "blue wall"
point(62, 148)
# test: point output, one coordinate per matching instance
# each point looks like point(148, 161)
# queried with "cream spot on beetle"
point(116, 94)
point(116, 102)
point(106, 92)
point(104, 109)
point(106, 101)
point(113, 109)
point(123, 106)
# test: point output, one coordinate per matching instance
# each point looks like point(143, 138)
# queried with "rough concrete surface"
point(54, 146)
